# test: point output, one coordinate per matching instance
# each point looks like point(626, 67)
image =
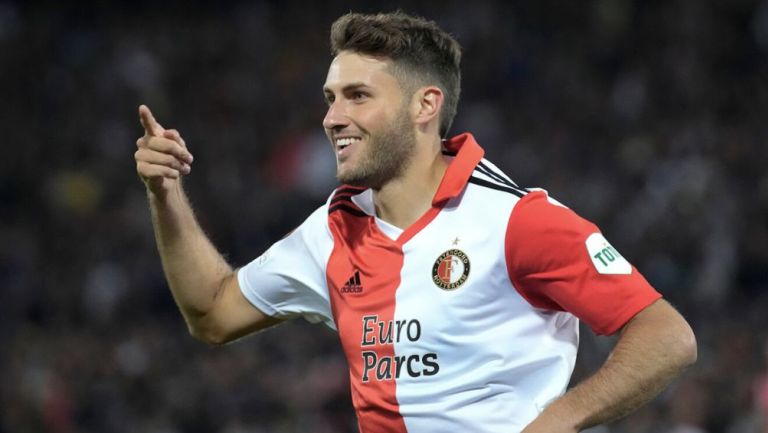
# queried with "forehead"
point(355, 68)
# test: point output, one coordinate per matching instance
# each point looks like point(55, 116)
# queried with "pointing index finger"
point(151, 127)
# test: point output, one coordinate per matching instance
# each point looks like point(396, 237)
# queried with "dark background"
point(648, 118)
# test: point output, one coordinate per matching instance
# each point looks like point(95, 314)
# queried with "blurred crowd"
point(648, 118)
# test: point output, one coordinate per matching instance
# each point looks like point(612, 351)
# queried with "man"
point(456, 293)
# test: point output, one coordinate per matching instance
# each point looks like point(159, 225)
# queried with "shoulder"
point(314, 230)
point(541, 230)
point(538, 213)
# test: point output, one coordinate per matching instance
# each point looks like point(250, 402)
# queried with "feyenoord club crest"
point(451, 270)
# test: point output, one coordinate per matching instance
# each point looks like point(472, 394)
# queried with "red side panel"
point(362, 314)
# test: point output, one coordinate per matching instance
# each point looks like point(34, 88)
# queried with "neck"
point(404, 200)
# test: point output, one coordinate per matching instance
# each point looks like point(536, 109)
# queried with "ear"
point(427, 102)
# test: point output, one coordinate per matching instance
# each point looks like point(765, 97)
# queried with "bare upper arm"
point(662, 322)
point(232, 315)
point(658, 314)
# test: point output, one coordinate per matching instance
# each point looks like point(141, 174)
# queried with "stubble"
point(387, 155)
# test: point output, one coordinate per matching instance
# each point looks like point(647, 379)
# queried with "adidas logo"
point(353, 285)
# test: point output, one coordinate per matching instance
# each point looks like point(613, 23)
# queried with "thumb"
point(151, 127)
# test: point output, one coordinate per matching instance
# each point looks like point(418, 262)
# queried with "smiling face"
point(368, 121)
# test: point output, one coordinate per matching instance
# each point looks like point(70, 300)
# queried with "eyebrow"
point(349, 87)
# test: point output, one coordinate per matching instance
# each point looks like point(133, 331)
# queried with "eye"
point(329, 99)
point(359, 96)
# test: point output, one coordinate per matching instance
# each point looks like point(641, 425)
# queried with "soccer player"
point(455, 292)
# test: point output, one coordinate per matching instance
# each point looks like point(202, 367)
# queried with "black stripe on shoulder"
point(482, 168)
point(449, 153)
point(488, 171)
point(491, 185)
point(500, 177)
point(348, 209)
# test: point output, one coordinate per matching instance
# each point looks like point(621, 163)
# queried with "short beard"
point(388, 155)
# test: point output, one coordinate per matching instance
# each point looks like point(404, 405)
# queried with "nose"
point(336, 117)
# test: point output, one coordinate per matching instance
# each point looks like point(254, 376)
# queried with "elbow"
point(207, 335)
point(686, 348)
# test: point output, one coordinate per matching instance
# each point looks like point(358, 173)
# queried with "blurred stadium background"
point(647, 117)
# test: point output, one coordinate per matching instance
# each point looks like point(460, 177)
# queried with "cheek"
point(370, 118)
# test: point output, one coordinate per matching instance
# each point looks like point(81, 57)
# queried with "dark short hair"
point(420, 51)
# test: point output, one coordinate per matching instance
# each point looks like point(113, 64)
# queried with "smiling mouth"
point(343, 143)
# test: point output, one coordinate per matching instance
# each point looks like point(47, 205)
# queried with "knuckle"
point(155, 143)
point(169, 160)
point(172, 146)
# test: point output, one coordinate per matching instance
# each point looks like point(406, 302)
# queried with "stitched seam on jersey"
point(491, 185)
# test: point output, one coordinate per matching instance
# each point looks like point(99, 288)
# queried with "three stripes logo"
point(353, 284)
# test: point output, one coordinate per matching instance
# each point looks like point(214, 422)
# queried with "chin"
point(352, 180)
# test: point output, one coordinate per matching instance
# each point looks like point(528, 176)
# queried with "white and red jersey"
point(465, 321)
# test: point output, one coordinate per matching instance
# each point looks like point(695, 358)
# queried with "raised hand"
point(162, 156)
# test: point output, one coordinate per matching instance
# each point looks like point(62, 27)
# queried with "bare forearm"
point(653, 349)
point(193, 267)
point(203, 284)
point(623, 384)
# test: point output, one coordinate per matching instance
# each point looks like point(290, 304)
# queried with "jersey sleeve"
point(560, 261)
point(288, 280)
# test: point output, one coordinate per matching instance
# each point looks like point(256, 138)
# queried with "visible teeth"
point(343, 142)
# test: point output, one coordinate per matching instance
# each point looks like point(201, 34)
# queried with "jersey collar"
point(468, 154)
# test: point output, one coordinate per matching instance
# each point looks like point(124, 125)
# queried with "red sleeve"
point(560, 261)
